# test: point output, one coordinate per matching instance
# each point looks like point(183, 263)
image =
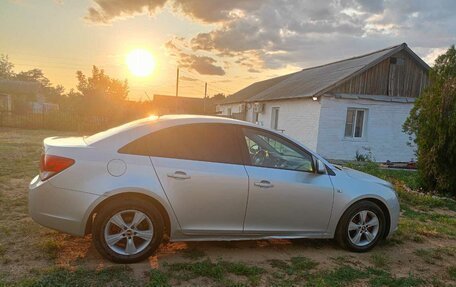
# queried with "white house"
point(357, 105)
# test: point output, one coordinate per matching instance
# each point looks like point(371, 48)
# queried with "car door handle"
point(263, 183)
point(179, 175)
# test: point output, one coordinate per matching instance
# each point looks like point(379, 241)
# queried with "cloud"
point(216, 10)
point(188, 79)
point(212, 11)
point(305, 33)
point(106, 11)
point(202, 64)
point(273, 34)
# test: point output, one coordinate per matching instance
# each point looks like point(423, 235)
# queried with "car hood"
point(365, 177)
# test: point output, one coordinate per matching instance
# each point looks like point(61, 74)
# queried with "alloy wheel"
point(128, 232)
point(363, 228)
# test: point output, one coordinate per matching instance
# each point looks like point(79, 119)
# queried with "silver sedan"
point(203, 178)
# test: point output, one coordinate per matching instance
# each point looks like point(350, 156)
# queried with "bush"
point(433, 123)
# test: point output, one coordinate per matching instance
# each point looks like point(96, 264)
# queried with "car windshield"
point(107, 133)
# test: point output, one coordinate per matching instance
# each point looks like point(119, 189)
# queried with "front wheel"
point(127, 231)
point(361, 227)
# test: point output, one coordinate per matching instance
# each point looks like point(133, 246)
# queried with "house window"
point(275, 118)
point(354, 124)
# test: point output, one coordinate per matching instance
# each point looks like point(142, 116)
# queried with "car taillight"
point(51, 165)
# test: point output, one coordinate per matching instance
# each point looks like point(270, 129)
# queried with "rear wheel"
point(127, 231)
point(361, 227)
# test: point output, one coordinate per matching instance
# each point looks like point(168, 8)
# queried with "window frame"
point(275, 112)
point(353, 129)
point(246, 154)
point(231, 128)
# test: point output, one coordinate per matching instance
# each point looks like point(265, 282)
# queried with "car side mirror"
point(321, 167)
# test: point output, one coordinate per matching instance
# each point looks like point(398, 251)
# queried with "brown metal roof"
point(316, 80)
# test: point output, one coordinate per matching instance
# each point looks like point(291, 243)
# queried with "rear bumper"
point(58, 208)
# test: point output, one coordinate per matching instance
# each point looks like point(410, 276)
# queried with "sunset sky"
point(228, 44)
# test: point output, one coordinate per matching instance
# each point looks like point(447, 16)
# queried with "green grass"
point(408, 177)
point(434, 255)
point(452, 272)
point(158, 278)
point(341, 276)
point(216, 271)
point(112, 276)
point(383, 278)
point(347, 275)
point(419, 220)
point(296, 265)
point(380, 260)
point(51, 247)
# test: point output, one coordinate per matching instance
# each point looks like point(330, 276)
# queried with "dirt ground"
point(423, 253)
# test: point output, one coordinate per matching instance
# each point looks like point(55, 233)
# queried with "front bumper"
point(395, 210)
point(59, 208)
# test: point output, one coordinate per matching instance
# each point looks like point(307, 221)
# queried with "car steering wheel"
point(259, 157)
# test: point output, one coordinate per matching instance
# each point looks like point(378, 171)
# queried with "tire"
point(366, 233)
point(132, 243)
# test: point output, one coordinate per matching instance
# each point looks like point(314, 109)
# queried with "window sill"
point(347, 139)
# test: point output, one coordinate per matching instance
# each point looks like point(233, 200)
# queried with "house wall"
point(298, 118)
point(383, 135)
point(405, 78)
point(236, 110)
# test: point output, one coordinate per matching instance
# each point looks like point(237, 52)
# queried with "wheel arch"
point(130, 195)
point(380, 204)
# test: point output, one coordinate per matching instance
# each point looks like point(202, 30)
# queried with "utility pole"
point(177, 88)
point(205, 95)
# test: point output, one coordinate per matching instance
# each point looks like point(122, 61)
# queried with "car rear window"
point(108, 133)
point(200, 142)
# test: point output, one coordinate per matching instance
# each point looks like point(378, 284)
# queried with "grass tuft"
point(158, 279)
point(452, 272)
point(112, 276)
point(380, 260)
point(433, 255)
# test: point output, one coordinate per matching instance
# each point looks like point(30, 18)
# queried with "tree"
point(6, 67)
point(432, 121)
point(218, 97)
point(102, 94)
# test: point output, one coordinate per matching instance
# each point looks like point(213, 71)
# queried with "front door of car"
point(285, 194)
point(200, 168)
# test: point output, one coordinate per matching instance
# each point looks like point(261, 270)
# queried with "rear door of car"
point(201, 170)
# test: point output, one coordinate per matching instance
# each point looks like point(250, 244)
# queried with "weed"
point(297, 265)
point(217, 271)
point(158, 279)
point(341, 276)
point(113, 276)
point(432, 255)
point(452, 272)
point(387, 280)
point(51, 247)
point(380, 260)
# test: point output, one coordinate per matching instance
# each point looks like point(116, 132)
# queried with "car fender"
point(174, 224)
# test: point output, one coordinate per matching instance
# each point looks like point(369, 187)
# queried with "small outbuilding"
point(341, 109)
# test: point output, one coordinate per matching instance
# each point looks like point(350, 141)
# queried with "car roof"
point(200, 118)
point(165, 120)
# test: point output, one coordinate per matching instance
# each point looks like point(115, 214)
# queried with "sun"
point(140, 62)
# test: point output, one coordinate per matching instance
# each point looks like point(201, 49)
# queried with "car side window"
point(200, 142)
point(268, 150)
